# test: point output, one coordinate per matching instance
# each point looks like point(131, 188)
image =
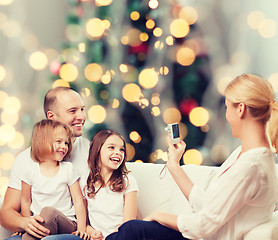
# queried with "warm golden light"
point(124, 40)
point(267, 28)
point(95, 28)
point(143, 103)
point(130, 152)
point(199, 116)
point(185, 56)
point(11, 105)
point(85, 92)
point(3, 185)
point(193, 156)
point(159, 45)
point(38, 60)
point(157, 32)
point(9, 117)
point(223, 83)
point(12, 29)
point(183, 130)
point(6, 160)
point(7, 133)
point(123, 68)
point(155, 100)
point(97, 114)
point(2, 73)
point(156, 111)
point(100, 3)
point(189, 14)
point(153, 4)
point(106, 78)
point(179, 28)
point(150, 24)
point(170, 41)
point(171, 115)
point(106, 23)
point(68, 72)
point(60, 83)
point(273, 79)
point(131, 92)
point(135, 137)
point(254, 19)
point(93, 72)
point(82, 47)
point(164, 70)
point(144, 37)
point(134, 15)
point(133, 36)
point(3, 97)
point(116, 103)
point(148, 78)
point(6, 2)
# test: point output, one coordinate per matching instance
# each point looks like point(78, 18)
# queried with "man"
point(64, 105)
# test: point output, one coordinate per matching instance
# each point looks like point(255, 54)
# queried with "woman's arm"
point(175, 153)
point(166, 219)
point(130, 206)
point(79, 206)
point(26, 199)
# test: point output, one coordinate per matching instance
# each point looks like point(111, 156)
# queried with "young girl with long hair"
point(50, 188)
point(111, 192)
point(242, 193)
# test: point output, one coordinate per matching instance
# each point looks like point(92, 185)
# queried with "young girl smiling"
point(50, 187)
point(111, 192)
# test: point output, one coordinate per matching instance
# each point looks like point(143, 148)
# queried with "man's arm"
point(11, 218)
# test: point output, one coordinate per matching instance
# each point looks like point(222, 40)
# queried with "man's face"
point(69, 109)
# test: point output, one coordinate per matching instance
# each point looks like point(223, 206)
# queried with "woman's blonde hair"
point(258, 96)
point(42, 138)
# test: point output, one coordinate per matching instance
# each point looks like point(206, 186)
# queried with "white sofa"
point(162, 194)
point(158, 194)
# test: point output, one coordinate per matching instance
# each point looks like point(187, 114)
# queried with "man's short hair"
point(51, 97)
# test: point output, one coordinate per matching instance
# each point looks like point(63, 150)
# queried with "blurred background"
point(139, 64)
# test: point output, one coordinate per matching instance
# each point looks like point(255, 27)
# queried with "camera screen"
point(176, 132)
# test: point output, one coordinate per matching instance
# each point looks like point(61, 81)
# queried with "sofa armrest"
point(265, 231)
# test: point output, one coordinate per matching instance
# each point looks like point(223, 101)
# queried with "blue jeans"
point(143, 230)
point(16, 237)
point(51, 237)
point(62, 237)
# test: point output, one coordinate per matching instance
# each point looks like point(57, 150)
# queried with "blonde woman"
point(243, 192)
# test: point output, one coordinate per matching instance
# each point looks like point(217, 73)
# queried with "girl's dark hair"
point(117, 180)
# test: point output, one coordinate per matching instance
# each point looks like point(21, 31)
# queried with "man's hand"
point(32, 226)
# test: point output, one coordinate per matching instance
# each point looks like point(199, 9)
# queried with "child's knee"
point(48, 213)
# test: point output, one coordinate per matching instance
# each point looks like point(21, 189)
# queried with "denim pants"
point(51, 237)
point(143, 230)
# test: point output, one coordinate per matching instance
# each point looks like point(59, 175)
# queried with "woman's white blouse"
point(241, 195)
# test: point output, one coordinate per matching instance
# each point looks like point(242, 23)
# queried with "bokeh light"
point(171, 115)
point(95, 28)
point(38, 60)
point(130, 151)
point(6, 160)
point(199, 116)
point(134, 15)
point(273, 79)
point(60, 83)
point(131, 92)
point(97, 114)
point(3, 97)
point(11, 105)
point(189, 14)
point(3, 185)
point(6, 2)
point(185, 56)
point(193, 156)
point(267, 28)
point(156, 111)
point(68, 72)
point(179, 28)
point(9, 117)
point(115, 103)
point(93, 72)
point(150, 24)
point(103, 2)
point(148, 78)
point(2, 73)
point(17, 142)
point(7, 133)
point(135, 137)
point(254, 19)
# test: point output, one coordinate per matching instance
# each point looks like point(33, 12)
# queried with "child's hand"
point(81, 234)
point(17, 233)
point(94, 234)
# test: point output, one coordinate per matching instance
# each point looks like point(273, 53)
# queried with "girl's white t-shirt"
point(52, 191)
point(106, 208)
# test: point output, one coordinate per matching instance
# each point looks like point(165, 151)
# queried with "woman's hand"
point(175, 152)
